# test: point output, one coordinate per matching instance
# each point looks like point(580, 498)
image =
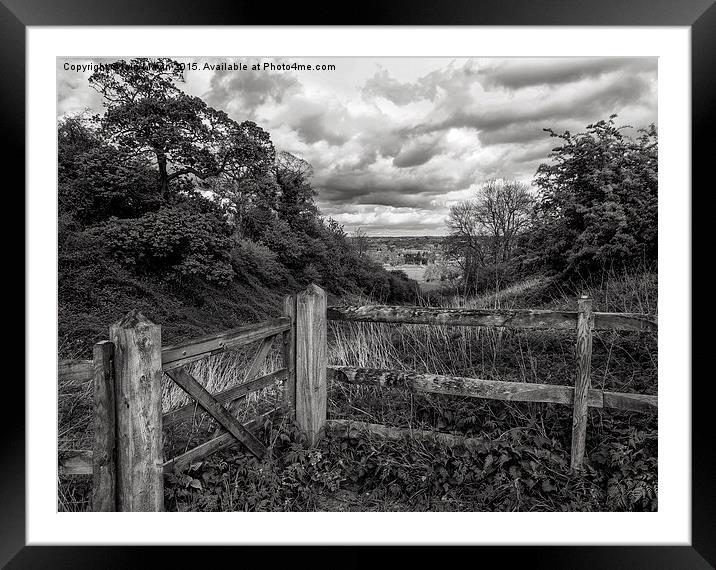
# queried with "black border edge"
point(12, 120)
point(700, 14)
point(703, 123)
point(368, 12)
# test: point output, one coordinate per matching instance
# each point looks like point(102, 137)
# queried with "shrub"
point(257, 260)
point(599, 199)
point(178, 240)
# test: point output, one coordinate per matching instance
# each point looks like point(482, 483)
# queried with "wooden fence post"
point(138, 395)
point(289, 355)
point(585, 324)
point(104, 497)
point(311, 361)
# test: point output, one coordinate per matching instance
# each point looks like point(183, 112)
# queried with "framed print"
point(390, 281)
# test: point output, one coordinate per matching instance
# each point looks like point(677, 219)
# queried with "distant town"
point(420, 257)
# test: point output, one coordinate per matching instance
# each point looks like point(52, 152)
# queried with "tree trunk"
point(163, 175)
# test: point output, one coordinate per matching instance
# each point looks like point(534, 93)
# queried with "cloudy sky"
point(395, 141)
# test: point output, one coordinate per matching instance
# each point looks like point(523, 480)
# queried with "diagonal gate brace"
point(214, 408)
point(256, 365)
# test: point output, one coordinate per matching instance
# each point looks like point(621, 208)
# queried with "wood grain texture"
point(490, 389)
point(176, 356)
point(465, 387)
point(104, 452)
point(229, 395)
point(138, 395)
point(216, 410)
point(260, 358)
point(289, 355)
point(356, 429)
point(455, 317)
point(531, 319)
point(223, 441)
point(75, 370)
point(79, 462)
point(311, 361)
point(625, 322)
point(255, 367)
point(582, 385)
point(631, 402)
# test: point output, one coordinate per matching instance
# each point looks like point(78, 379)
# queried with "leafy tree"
point(598, 198)
point(184, 198)
point(248, 180)
point(295, 202)
point(148, 114)
point(96, 180)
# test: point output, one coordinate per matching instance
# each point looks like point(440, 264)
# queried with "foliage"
point(521, 469)
point(148, 113)
point(97, 180)
point(598, 199)
point(292, 479)
point(250, 258)
point(178, 240)
point(173, 207)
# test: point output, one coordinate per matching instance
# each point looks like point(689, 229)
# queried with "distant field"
point(416, 272)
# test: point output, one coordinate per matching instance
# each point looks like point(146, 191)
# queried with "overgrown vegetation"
point(173, 208)
point(520, 463)
point(595, 210)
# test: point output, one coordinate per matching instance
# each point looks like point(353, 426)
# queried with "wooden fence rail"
point(127, 462)
point(509, 318)
point(210, 345)
point(583, 321)
point(489, 389)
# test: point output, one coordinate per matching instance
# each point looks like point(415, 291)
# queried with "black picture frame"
point(699, 15)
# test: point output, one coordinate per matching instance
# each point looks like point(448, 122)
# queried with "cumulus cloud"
point(245, 91)
point(394, 143)
point(520, 73)
point(600, 101)
point(418, 151)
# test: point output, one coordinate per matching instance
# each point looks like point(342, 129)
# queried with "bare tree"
point(359, 240)
point(503, 209)
point(484, 231)
point(466, 242)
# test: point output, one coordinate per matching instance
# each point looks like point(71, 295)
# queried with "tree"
point(484, 231)
point(148, 114)
point(359, 241)
point(598, 199)
point(465, 243)
point(295, 203)
point(504, 209)
point(96, 180)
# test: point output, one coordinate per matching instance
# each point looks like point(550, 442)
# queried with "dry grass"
point(216, 374)
point(621, 362)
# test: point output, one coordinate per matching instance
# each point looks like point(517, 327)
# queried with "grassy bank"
point(521, 464)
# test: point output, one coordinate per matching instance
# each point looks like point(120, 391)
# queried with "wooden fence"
point(127, 463)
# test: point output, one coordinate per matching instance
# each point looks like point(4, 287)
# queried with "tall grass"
point(622, 361)
point(216, 374)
